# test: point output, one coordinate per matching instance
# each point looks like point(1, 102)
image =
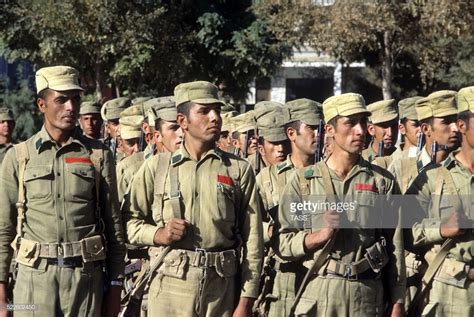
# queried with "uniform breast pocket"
point(38, 181)
point(368, 211)
point(80, 182)
point(226, 197)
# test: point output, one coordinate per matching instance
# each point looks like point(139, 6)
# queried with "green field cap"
point(201, 92)
point(305, 110)
point(90, 107)
point(383, 111)
point(6, 114)
point(406, 108)
point(111, 109)
point(271, 119)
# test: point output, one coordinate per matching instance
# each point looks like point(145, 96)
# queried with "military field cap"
point(90, 107)
point(201, 92)
point(466, 99)
point(437, 104)
point(244, 122)
point(130, 127)
point(227, 120)
point(383, 111)
point(406, 108)
point(344, 105)
point(6, 114)
point(305, 110)
point(165, 105)
point(271, 119)
point(133, 110)
point(111, 109)
point(138, 100)
point(60, 78)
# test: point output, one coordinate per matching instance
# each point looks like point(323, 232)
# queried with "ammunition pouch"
point(377, 256)
point(175, 264)
point(453, 272)
point(93, 249)
point(28, 252)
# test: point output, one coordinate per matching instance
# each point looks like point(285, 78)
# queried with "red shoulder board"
point(366, 187)
point(70, 160)
point(225, 180)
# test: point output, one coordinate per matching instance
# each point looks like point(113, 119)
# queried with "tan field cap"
point(163, 108)
point(90, 107)
point(466, 99)
point(130, 127)
point(244, 122)
point(271, 119)
point(60, 78)
point(111, 109)
point(140, 100)
point(406, 108)
point(438, 104)
point(227, 120)
point(383, 111)
point(344, 105)
point(201, 92)
point(6, 114)
point(305, 110)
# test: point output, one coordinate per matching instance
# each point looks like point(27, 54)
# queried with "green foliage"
point(21, 100)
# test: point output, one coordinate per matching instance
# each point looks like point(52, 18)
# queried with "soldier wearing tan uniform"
point(244, 134)
point(110, 113)
point(7, 124)
point(200, 210)
point(444, 225)
point(303, 118)
point(436, 114)
point(69, 212)
point(225, 137)
point(383, 127)
point(90, 119)
point(347, 254)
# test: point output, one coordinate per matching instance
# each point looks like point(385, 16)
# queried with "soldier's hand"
point(244, 307)
point(3, 299)
point(398, 310)
point(453, 225)
point(332, 220)
point(174, 230)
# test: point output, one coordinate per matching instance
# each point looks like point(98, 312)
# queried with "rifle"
point(246, 140)
point(434, 149)
point(380, 149)
point(257, 158)
point(319, 146)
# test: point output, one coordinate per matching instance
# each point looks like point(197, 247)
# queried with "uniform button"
point(61, 218)
point(34, 175)
point(172, 261)
point(96, 246)
point(59, 195)
point(25, 250)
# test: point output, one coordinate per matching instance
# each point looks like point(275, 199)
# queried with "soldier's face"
point(112, 127)
point(130, 146)
point(306, 139)
point(60, 109)
point(252, 142)
point(91, 124)
point(203, 123)
point(467, 131)
point(225, 141)
point(386, 132)
point(349, 133)
point(170, 136)
point(6, 128)
point(444, 131)
point(410, 130)
point(274, 152)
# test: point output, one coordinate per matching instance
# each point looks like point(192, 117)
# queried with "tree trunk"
point(98, 81)
point(387, 66)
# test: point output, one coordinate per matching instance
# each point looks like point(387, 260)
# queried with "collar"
point(42, 138)
point(283, 166)
point(361, 166)
point(182, 154)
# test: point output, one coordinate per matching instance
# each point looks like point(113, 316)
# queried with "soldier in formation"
point(7, 124)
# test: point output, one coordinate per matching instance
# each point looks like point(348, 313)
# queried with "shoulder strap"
point(22, 157)
point(162, 169)
point(267, 184)
point(326, 250)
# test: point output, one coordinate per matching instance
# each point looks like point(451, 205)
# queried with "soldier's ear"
point(41, 103)
point(291, 133)
point(371, 129)
point(425, 129)
point(461, 125)
point(157, 136)
point(402, 129)
point(182, 120)
point(329, 130)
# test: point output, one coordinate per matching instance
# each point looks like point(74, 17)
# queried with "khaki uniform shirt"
point(370, 155)
point(271, 181)
point(61, 198)
point(126, 168)
point(208, 196)
point(363, 185)
point(426, 232)
point(408, 168)
point(3, 151)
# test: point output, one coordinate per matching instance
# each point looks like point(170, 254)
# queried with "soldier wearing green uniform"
point(90, 119)
point(347, 264)
point(436, 114)
point(303, 118)
point(383, 128)
point(7, 124)
point(444, 193)
point(67, 211)
point(198, 208)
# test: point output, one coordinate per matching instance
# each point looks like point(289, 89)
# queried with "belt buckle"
point(202, 257)
point(347, 273)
